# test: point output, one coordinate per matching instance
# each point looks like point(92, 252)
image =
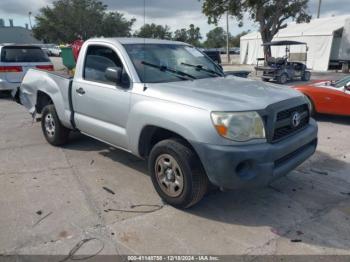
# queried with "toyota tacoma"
point(169, 103)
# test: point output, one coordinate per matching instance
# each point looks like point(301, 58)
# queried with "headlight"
point(239, 126)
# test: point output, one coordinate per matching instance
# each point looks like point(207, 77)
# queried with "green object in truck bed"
point(68, 58)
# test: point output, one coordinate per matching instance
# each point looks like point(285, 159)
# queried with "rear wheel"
point(55, 133)
point(177, 173)
point(282, 79)
point(306, 76)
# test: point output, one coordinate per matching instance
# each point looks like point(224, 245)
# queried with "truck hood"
point(222, 94)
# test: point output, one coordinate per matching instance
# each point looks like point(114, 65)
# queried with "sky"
point(174, 13)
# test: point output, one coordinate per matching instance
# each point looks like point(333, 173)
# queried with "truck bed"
point(56, 85)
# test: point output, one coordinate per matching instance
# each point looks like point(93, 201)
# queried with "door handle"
point(80, 91)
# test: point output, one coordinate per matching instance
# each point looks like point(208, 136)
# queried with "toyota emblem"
point(296, 118)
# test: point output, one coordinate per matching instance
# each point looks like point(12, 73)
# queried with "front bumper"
point(235, 167)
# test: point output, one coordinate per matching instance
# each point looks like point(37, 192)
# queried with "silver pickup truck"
point(169, 103)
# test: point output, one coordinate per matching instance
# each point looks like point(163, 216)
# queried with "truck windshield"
point(179, 58)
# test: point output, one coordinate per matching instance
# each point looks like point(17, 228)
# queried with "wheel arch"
point(151, 135)
point(42, 99)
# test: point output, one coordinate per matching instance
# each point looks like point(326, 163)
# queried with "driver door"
point(101, 107)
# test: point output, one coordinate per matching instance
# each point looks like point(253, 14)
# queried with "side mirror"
point(347, 86)
point(114, 74)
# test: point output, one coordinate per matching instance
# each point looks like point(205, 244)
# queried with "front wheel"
point(55, 133)
point(177, 173)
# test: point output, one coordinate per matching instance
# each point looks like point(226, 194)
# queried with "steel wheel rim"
point(50, 125)
point(169, 175)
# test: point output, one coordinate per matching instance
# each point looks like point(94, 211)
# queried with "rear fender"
point(36, 83)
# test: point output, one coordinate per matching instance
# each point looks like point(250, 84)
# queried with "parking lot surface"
point(52, 198)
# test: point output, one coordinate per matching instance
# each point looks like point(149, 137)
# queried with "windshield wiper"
point(178, 73)
point(201, 68)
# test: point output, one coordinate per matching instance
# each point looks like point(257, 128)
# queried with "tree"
point(181, 35)
point(216, 38)
point(114, 24)
point(271, 15)
point(68, 20)
point(235, 40)
point(194, 35)
point(191, 35)
point(154, 31)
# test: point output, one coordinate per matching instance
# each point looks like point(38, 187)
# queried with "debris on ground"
point(299, 233)
point(92, 162)
point(39, 212)
point(295, 240)
point(154, 208)
point(108, 190)
point(81, 243)
point(325, 173)
point(41, 219)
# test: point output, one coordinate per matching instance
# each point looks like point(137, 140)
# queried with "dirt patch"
point(129, 237)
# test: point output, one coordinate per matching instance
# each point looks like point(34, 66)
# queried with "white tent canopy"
point(327, 39)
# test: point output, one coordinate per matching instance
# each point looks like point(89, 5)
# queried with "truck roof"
point(136, 40)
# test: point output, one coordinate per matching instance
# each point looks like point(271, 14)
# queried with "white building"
point(328, 40)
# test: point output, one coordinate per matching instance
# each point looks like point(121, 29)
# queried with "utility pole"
point(227, 39)
point(319, 8)
point(30, 20)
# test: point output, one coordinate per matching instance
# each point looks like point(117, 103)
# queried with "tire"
point(306, 76)
point(177, 173)
point(55, 133)
point(282, 79)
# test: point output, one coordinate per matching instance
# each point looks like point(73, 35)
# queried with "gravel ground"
point(52, 198)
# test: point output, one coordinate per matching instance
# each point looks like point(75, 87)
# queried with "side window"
point(98, 59)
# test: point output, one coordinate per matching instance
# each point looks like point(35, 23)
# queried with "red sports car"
point(328, 97)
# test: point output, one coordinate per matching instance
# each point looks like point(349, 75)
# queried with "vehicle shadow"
point(310, 205)
point(80, 142)
point(345, 120)
point(5, 95)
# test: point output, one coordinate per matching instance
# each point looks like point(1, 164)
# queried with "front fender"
point(193, 124)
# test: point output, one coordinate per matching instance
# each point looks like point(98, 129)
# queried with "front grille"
point(283, 124)
point(288, 113)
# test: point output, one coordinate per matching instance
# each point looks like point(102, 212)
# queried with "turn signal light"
point(222, 130)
